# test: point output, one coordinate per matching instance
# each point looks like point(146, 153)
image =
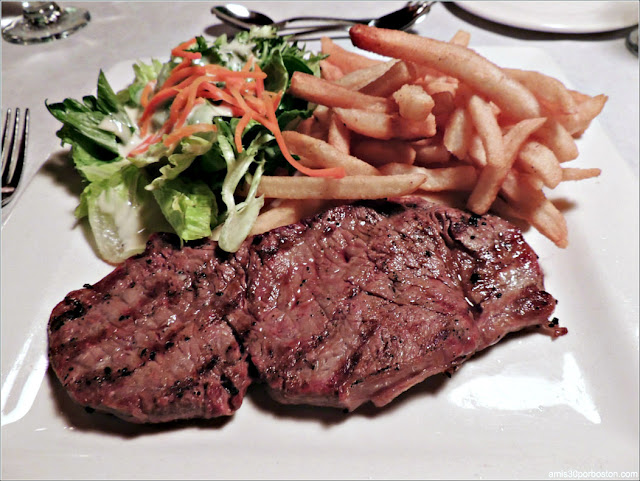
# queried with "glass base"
point(23, 32)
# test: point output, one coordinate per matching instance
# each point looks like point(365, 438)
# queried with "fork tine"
point(12, 153)
point(21, 151)
point(5, 148)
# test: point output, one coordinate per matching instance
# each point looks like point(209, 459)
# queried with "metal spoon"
point(243, 18)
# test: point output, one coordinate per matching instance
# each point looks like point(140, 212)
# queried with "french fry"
point(444, 105)
point(322, 114)
point(400, 73)
point(350, 187)
point(528, 202)
point(306, 125)
point(413, 102)
point(457, 61)
point(545, 217)
point(537, 159)
point(518, 134)
point(323, 92)
point(330, 71)
point(550, 91)
point(339, 135)
point(287, 212)
point(458, 132)
point(316, 153)
point(492, 175)
point(428, 153)
point(358, 79)
point(572, 173)
point(345, 60)
point(462, 177)
point(558, 139)
point(586, 111)
point(383, 126)
point(477, 153)
point(461, 37)
point(379, 152)
point(441, 84)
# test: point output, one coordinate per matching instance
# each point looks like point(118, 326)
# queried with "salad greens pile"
point(190, 188)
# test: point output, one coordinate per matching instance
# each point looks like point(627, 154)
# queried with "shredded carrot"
point(240, 74)
point(244, 121)
point(145, 144)
point(192, 90)
point(156, 100)
point(146, 91)
point(179, 75)
point(256, 104)
point(334, 172)
point(186, 131)
point(243, 92)
point(180, 50)
point(259, 81)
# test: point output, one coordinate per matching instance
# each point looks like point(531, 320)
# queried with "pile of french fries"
point(435, 118)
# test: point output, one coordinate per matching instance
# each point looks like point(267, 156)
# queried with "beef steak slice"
point(149, 342)
point(364, 301)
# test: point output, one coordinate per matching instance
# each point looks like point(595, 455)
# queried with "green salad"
point(183, 147)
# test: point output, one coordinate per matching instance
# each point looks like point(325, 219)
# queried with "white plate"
point(526, 408)
point(560, 17)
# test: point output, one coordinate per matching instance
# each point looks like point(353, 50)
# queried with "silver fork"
point(14, 149)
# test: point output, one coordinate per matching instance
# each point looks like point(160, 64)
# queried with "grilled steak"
point(356, 304)
point(149, 342)
point(365, 301)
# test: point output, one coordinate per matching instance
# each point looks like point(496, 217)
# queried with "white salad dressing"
point(119, 223)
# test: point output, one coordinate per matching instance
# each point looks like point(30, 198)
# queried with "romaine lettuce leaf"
point(189, 206)
point(121, 214)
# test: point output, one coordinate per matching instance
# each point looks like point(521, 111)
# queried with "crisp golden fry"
point(428, 154)
point(358, 79)
point(462, 177)
point(517, 136)
point(413, 102)
point(441, 84)
point(537, 159)
point(330, 71)
point(461, 37)
point(545, 217)
point(380, 152)
point(326, 93)
point(558, 139)
point(586, 111)
point(287, 212)
point(345, 60)
point(549, 91)
point(454, 60)
point(400, 73)
point(339, 135)
point(522, 190)
point(322, 114)
point(350, 187)
point(477, 153)
point(569, 173)
point(315, 153)
point(458, 133)
point(383, 126)
point(492, 174)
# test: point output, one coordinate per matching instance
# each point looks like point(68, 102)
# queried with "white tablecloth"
point(118, 31)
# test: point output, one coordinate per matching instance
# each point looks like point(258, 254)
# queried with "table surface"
point(593, 63)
